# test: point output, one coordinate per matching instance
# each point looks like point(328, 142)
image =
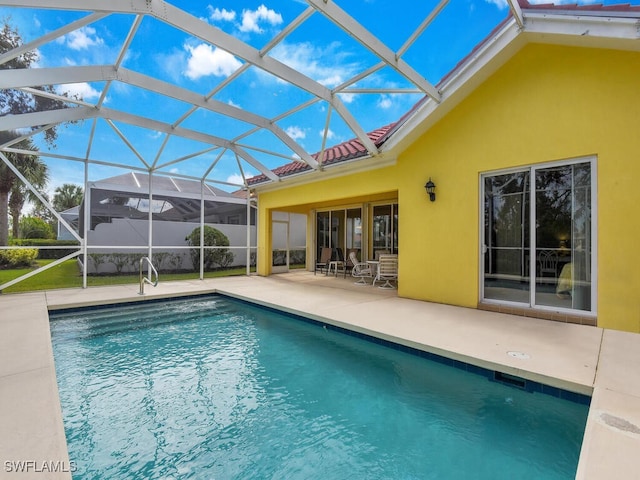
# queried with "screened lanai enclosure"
point(166, 112)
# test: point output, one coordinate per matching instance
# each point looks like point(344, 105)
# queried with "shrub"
point(34, 227)
point(51, 254)
point(221, 257)
point(18, 258)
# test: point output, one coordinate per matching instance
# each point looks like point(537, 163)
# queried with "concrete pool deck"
point(601, 363)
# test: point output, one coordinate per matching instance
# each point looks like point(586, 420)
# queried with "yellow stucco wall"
point(547, 103)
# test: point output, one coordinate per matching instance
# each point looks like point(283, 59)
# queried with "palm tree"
point(67, 196)
point(38, 174)
point(30, 166)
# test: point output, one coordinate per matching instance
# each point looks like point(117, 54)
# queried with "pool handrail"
point(144, 279)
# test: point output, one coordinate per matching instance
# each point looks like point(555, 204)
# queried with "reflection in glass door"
point(385, 229)
point(563, 236)
point(340, 230)
point(279, 246)
point(546, 262)
point(506, 237)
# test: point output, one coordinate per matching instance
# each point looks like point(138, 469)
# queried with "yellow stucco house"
point(534, 150)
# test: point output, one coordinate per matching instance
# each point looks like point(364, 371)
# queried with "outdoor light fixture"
point(430, 187)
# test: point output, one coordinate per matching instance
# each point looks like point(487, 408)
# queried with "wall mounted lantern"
point(430, 187)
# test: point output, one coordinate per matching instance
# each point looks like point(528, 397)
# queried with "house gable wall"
point(547, 103)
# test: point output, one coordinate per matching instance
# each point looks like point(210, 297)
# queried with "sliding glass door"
point(538, 237)
point(339, 229)
point(384, 233)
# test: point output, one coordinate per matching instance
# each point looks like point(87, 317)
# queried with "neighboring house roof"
point(162, 185)
point(353, 149)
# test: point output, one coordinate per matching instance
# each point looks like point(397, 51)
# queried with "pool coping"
point(582, 359)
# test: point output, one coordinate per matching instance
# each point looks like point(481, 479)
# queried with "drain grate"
point(520, 355)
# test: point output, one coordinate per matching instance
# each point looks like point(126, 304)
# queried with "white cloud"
point(174, 170)
point(82, 90)
point(235, 178)
point(252, 18)
point(501, 4)
point(206, 60)
point(172, 63)
point(233, 104)
point(216, 14)
point(330, 134)
point(347, 97)
point(384, 102)
point(82, 39)
point(325, 64)
point(295, 132)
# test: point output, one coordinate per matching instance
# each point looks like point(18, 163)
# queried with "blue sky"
point(318, 49)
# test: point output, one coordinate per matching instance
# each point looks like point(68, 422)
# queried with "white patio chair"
point(360, 270)
point(387, 271)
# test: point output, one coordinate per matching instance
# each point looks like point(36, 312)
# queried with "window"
point(538, 233)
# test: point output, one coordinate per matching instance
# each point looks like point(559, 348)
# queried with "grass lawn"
point(68, 275)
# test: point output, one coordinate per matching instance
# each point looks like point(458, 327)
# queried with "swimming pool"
point(215, 388)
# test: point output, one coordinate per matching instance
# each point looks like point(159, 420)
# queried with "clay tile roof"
point(338, 153)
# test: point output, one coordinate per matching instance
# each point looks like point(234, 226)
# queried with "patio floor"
point(602, 363)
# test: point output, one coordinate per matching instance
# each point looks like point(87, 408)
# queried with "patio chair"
point(548, 260)
point(360, 270)
point(348, 264)
point(323, 262)
point(387, 271)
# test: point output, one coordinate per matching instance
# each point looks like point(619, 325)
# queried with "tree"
point(16, 102)
point(38, 175)
point(67, 196)
point(28, 165)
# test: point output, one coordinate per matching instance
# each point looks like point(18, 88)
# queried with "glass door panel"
point(354, 232)
point(338, 232)
point(382, 230)
point(280, 246)
point(563, 236)
point(323, 238)
point(506, 237)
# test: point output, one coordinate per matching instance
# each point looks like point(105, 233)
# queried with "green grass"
point(68, 275)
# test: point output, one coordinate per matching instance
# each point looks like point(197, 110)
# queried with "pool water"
point(216, 388)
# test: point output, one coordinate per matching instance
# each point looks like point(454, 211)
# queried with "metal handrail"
point(144, 279)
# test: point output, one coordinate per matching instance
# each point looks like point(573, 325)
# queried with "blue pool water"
point(214, 388)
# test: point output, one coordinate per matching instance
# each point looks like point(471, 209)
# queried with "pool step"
point(106, 321)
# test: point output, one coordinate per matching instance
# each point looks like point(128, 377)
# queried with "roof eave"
point(354, 165)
